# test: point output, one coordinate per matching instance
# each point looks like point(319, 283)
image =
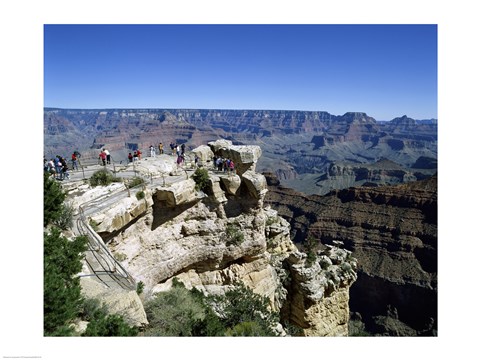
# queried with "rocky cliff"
point(213, 238)
point(392, 232)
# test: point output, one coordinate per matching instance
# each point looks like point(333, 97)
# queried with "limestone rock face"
point(219, 144)
point(255, 183)
point(160, 165)
point(231, 184)
point(176, 194)
point(218, 195)
point(319, 292)
point(204, 153)
point(245, 157)
point(121, 213)
point(214, 239)
point(197, 238)
point(117, 301)
point(257, 274)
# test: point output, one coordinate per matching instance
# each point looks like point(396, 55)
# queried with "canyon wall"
point(392, 232)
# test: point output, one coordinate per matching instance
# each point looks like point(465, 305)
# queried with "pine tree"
point(53, 197)
point(62, 299)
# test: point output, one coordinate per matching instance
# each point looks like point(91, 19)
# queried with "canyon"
point(352, 183)
point(392, 232)
point(310, 151)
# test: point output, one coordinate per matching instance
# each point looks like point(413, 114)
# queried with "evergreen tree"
point(109, 325)
point(62, 299)
point(53, 197)
point(243, 311)
point(174, 313)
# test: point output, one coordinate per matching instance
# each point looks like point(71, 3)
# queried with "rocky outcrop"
point(212, 239)
point(245, 157)
point(204, 153)
point(116, 301)
point(179, 193)
point(319, 293)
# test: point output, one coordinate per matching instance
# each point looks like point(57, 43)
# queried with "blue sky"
point(383, 70)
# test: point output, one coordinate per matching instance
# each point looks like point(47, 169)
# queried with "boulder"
point(181, 192)
point(255, 183)
point(219, 144)
point(204, 153)
point(231, 184)
point(245, 157)
point(218, 194)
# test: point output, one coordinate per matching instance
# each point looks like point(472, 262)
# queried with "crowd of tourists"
point(58, 167)
point(225, 165)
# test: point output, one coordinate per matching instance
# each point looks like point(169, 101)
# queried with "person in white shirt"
point(108, 155)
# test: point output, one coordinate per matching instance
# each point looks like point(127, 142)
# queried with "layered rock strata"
point(392, 231)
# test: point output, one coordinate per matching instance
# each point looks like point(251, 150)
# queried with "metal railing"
point(101, 261)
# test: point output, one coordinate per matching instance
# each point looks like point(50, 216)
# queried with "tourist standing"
point(107, 154)
point(74, 161)
point(152, 151)
point(58, 165)
point(219, 164)
point(64, 174)
point(103, 157)
point(51, 167)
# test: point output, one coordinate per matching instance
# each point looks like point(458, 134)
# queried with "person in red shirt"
point(103, 156)
point(74, 162)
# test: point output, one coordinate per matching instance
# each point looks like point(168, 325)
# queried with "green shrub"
point(90, 307)
point(103, 324)
point(119, 256)
point(140, 195)
point(242, 305)
point(103, 177)
point(109, 325)
point(93, 224)
point(247, 328)
point(234, 235)
point(183, 312)
point(176, 312)
point(140, 287)
point(64, 219)
point(311, 250)
point(201, 178)
point(292, 330)
point(271, 221)
point(135, 181)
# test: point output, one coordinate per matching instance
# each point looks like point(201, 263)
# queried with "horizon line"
point(221, 109)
